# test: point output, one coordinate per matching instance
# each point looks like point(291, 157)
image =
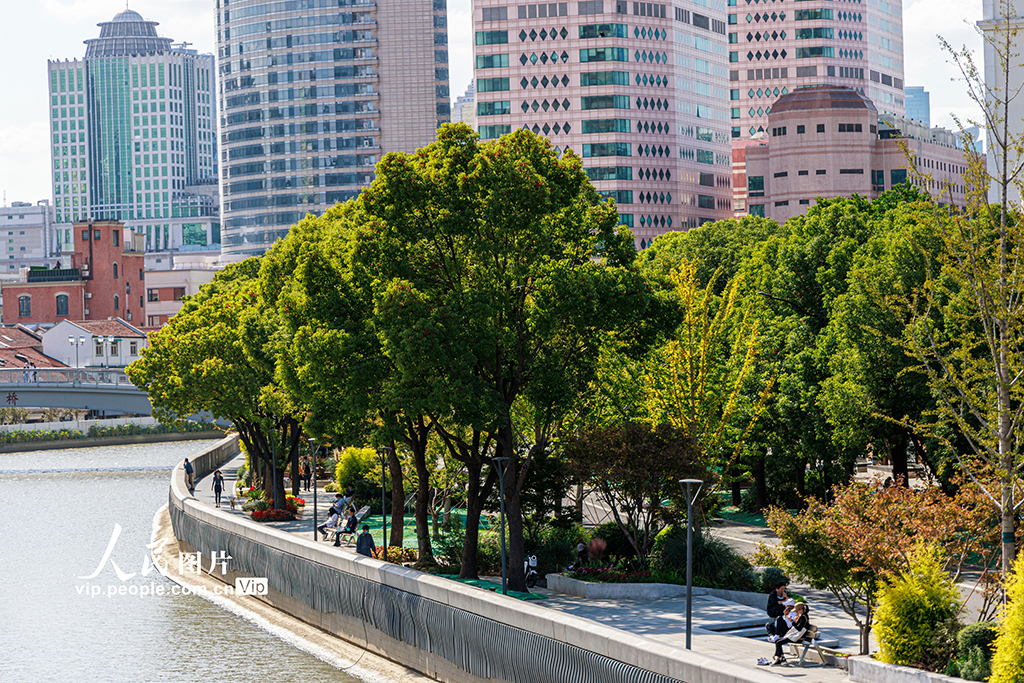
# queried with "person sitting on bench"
point(350, 526)
point(795, 634)
point(331, 522)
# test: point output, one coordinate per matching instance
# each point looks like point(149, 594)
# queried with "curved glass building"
point(312, 93)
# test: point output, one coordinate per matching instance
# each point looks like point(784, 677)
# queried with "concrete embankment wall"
point(441, 628)
point(92, 442)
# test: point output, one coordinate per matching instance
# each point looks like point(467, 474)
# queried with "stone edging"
point(865, 669)
point(646, 591)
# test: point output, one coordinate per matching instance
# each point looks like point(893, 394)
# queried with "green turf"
point(492, 586)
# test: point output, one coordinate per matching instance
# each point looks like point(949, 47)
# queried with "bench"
point(813, 640)
point(341, 531)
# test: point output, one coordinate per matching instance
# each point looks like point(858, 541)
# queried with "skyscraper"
point(637, 89)
point(995, 25)
point(132, 127)
point(776, 47)
point(919, 106)
point(312, 94)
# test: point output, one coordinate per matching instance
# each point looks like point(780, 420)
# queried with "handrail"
point(76, 377)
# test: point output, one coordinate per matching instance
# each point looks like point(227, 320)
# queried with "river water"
point(58, 511)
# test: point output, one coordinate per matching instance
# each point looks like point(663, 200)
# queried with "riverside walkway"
point(662, 620)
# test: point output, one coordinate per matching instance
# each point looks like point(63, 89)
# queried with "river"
point(59, 511)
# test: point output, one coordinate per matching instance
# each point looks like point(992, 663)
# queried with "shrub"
point(618, 544)
point(748, 500)
point(975, 666)
point(354, 466)
point(1008, 660)
point(272, 515)
point(981, 635)
point(770, 578)
point(715, 564)
point(912, 607)
point(555, 547)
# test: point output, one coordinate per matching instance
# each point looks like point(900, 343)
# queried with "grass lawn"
point(730, 513)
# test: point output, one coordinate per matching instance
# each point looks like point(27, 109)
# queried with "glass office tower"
point(132, 127)
point(312, 94)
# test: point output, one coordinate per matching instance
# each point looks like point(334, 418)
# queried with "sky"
point(37, 30)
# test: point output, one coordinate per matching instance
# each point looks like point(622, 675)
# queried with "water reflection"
point(58, 510)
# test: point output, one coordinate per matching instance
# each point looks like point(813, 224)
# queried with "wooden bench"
point(341, 530)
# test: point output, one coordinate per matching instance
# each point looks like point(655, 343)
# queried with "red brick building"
point(104, 278)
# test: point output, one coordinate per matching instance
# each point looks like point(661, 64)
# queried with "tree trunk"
point(514, 519)
point(865, 639)
point(426, 553)
point(898, 459)
point(474, 506)
point(447, 524)
point(736, 493)
point(397, 499)
point(760, 482)
point(295, 471)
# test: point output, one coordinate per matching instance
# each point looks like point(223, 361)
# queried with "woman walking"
point(218, 486)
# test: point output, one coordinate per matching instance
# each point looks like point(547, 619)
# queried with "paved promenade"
point(662, 620)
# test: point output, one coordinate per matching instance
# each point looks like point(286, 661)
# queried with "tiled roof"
point(16, 358)
point(114, 328)
point(13, 337)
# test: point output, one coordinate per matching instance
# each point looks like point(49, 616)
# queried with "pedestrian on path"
point(307, 472)
point(365, 544)
point(189, 477)
point(218, 486)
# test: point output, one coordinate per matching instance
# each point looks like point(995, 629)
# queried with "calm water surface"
point(58, 509)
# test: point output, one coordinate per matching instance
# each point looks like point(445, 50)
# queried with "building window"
point(897, 176)
point(755, 186)
point(821, 127)
point(115, 346)
point(153, 294)
point(117, 238)
point(799, 130)
point(62, 304)
point(117, 302)
point(179, 293)
point(115, 270)
point(851, 171)
point(820, 171)
point(757, 210)
point(24, 306)
point(99, 347)
point(133, 348)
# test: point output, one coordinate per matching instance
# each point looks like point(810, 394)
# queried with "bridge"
point(102, 389)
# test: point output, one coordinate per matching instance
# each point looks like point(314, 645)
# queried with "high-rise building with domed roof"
point(133, 132)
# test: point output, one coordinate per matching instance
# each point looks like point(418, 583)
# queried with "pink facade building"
point(776, 47)
point(830, 141)
point(639, 90)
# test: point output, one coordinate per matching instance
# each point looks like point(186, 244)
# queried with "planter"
point(646, 591)
point(865, 669)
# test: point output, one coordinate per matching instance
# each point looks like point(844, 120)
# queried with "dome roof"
point(822, 97)
point(128, 15)
point(127, 34)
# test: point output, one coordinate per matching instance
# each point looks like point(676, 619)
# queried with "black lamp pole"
point(312, 448)
point(686, 484)
point(382, 453)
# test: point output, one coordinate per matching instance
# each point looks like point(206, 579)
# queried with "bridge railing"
point(106, 377)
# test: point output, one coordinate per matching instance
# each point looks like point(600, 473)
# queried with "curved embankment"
point(446, 630)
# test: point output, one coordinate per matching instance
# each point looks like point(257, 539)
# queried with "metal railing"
point(75, 377)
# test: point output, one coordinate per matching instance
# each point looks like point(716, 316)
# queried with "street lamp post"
point(382, 453)
point(499, 464)
point(76, 343)
point(312, 448)
point(686, 484)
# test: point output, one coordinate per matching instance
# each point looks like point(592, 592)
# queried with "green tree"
point(210, 359)
point(496, 267)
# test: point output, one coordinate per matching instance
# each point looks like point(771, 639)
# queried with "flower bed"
point(609, 575)
point(271, 515)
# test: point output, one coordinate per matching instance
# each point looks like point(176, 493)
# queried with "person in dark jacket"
point(364, 543)
point(777, 600)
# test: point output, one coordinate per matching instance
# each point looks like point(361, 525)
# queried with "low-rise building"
point(829, 141)
point(29, 236)
point(94, 343)
point(173, 275)
point(101, 277)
